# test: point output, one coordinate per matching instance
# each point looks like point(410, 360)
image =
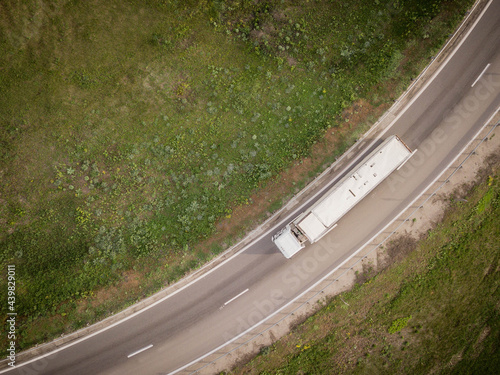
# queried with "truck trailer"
point(323, 215)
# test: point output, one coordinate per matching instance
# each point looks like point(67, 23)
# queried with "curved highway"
point(439, 121)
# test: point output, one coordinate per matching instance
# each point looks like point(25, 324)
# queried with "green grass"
point(129, 129)
point(436, 311)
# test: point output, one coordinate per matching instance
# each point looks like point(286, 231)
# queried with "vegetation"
point(435, 311)
point(130, 129)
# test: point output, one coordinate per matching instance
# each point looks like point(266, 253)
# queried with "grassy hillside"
point(437, 311)
point(129, 129)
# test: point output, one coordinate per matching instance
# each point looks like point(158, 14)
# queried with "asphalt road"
point(259, 280)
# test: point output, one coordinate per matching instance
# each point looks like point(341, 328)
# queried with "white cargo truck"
point(323, 216)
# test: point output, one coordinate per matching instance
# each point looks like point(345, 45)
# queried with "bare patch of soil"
point(369, 270)
point(399, 248)
point(291, 61)
point(129, 283)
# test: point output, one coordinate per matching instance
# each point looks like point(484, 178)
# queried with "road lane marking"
point(478, 78)
point(239, 295)
point(140, 351)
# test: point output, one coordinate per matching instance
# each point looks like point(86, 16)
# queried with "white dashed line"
point(140, 351)
point(478, 78)
point(239, 295)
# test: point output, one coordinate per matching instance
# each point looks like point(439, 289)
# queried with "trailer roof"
point(354, 187)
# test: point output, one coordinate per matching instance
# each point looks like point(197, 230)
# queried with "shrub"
point(399, 324)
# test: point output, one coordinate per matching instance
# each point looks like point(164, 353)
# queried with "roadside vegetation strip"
point(115, 163)
point(434, 310)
